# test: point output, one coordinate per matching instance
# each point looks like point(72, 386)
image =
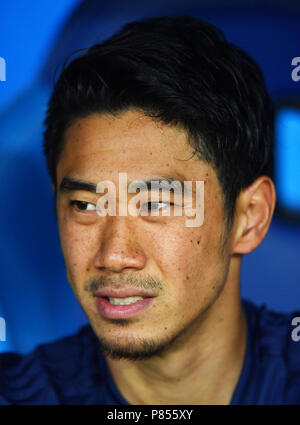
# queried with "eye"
point(154, 206)
point(82, 206)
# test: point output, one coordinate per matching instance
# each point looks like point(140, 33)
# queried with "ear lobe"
point(254, 210)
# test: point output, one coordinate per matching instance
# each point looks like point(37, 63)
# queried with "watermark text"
point(164, 195)
point(2, 329)
point(2, 69)
point(296, 70)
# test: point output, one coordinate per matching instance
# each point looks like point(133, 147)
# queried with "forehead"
point(129, 142)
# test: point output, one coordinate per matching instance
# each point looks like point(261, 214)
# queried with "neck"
point(201, 367)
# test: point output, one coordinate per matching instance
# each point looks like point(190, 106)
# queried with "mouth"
point(124, 301)
point(122, 304)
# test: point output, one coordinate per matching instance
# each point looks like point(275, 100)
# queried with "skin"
point(197, 314)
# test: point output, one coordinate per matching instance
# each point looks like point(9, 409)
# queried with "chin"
point(125, 342)
point(132, 348)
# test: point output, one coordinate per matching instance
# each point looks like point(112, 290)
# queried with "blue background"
point(35, 38)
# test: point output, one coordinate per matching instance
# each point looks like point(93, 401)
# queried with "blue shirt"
point(73, 370)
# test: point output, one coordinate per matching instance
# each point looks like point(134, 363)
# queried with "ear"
point(254, 210)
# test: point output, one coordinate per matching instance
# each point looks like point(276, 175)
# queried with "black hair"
point(181, 71)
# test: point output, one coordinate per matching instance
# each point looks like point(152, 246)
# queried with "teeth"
point(124, 301)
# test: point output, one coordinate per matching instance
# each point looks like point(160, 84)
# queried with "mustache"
point(146, 283)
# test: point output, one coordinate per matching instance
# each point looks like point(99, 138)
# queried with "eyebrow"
point(160, 182)
point(70, 184)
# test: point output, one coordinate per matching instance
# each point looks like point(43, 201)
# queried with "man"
point(167, 100)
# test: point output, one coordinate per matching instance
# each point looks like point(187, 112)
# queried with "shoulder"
point(49, 372)
point(277, 338)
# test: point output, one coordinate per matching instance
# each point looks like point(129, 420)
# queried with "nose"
point(119, 248)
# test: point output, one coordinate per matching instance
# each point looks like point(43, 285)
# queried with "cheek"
point(188, 253)
point(190, 263)
point(76, 244)
point(177, 256)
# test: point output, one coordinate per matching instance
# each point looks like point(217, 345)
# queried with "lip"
point(112, 311)
point(123, 293)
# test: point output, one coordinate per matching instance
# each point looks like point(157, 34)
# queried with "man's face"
point(179, 271)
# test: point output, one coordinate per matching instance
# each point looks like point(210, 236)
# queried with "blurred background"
point(35, 39)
